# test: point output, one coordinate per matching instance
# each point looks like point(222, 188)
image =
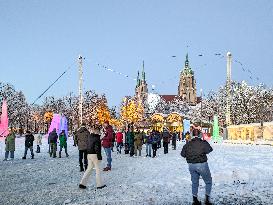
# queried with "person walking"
point(94, 158)
point(38, 139)
point(148, 143)
point(119, 140)
point(63, 143)
point(155, 139)
point(195, 152)
point(52, 140)
point(107, 144)
point(174, 139)
point(131, 139)
point(81, 136)
point(10, 145)
point(29, 139)
point(138, 139)
point(166, 139)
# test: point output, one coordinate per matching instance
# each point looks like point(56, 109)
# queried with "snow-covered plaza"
point(242, 174)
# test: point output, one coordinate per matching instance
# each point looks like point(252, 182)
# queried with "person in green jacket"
point(63, 143)
point(10, 145)
point(131, 139)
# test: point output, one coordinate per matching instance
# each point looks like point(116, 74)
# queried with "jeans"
point(108, 155)
point(83, 155)
point(149, 149)
point(11, 154)
point(31, 150)
point(119, 147)
point(197, 170)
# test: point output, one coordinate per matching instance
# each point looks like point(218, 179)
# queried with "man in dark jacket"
point(52, 140)
point(29, 139)
point(107, 144)
point(166, 138)
point(174, 138)
point(195, 152)
point(81, 137)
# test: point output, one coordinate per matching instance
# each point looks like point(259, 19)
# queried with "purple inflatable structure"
point(59, 122)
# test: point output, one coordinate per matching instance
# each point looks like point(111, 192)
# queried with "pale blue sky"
point(40, 39)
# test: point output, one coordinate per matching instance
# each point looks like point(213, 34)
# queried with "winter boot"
point(101, 187)
point(32, 156)
point(195, 201)
point(67, 155)
point(82, 186)
point(207, 200)
point(24, 157)
point(60, 155)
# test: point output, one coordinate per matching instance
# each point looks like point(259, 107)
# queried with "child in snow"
point(10, 145)
point(29, 139)
point(63, 143)
point(195, 152)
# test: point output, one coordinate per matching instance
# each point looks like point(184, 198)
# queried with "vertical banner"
point(186, 126)
point(215, 136)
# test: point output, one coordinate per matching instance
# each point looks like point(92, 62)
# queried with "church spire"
point(187, 61)
point(143, 72)
point(138, 80)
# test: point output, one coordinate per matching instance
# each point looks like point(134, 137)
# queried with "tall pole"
point(201, 123)
point(80, 88)
point(228, 88)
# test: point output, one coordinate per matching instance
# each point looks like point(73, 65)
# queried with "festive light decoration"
point(132, 111)
point(4, 123)
point(215, 136)
point(103, 113)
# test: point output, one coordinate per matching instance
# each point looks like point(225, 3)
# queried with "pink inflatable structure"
point(59, 122)
point(4, 121)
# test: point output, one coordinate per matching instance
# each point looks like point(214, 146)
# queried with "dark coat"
point(94, 145)
point(166, 136)
point(107, 139)
point(196, 150)
point(29, 140)
point(52, 137)
point(81, 137)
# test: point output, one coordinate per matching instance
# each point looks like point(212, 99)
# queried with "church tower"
point(187, 84)
point(141, 91)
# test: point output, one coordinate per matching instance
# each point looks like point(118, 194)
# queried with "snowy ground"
point(242, 174)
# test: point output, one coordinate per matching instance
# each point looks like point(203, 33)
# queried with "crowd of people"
point(90, 144)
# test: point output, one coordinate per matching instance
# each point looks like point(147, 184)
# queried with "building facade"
point(141, 90)
point(187, 84)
